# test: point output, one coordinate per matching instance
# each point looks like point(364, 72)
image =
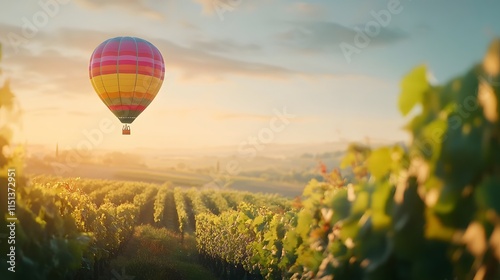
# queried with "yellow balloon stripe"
point(126, 83)
point(155, 87)
point(103, 97)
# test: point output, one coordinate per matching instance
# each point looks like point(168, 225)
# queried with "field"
point(286, 173)
point(147, 230)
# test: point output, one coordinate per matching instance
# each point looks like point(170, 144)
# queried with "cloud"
point(307, 9)
point(135, 7)
point(224, 46)
point(188, 25)
point(198, 62)
point(324, 36)
point(208, 6)
point(211, 7)
point(59, 56)
point(50, 72)
point(56, 64)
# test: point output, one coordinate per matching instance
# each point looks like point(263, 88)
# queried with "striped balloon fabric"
point(126, 73)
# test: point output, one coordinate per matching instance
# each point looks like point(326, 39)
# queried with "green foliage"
point(180, 204)
point(197, 203)
point(159, 204)
point(49, 244)
point(70, 225)
point(427, 212)
point(414, 85)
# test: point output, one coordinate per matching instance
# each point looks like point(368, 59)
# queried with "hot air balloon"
point(126, 73)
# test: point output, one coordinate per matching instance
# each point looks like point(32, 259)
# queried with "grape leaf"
point(413, 87)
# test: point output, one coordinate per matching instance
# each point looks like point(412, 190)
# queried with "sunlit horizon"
point(222, 85)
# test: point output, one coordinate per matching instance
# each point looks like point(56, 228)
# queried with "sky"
point(234, 66)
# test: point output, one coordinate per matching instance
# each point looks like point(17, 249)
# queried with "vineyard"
point(429, 210)
point(73, 228)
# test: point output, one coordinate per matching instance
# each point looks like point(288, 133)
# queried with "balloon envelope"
point(126, 73)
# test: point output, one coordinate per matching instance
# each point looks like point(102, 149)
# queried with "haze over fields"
point(276, 168)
